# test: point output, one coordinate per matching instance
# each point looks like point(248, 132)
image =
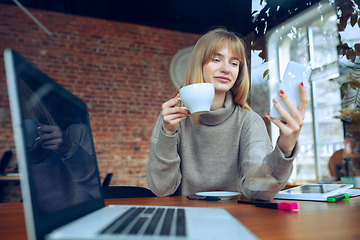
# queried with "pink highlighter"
point(281, 206)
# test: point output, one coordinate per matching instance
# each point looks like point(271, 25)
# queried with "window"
point(311, 39)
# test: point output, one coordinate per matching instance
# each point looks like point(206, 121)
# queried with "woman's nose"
point(225, 67)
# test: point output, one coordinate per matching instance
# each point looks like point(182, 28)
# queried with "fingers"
point(53, 138)
point(47, 129)
point(173, 119)
point(303, 99)
point(290, 105)
point(48, 133)
point(287, 118)
point(293, 121)
point(50, 136)
point(174, 110)
point(281, 125)
point(295, 113)
point(52, 144)
point(294, 118)
point(172, 114)
point(171, 103)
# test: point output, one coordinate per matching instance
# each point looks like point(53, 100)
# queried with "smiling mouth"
point(223, 79)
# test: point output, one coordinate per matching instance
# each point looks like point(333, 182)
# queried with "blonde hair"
point(33, 108)
point(206, 48)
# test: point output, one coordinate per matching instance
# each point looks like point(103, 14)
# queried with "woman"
point(228, 148)
point(61, 159)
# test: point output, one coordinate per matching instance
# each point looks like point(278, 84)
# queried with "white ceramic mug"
point(197, 97)
point(31, 129)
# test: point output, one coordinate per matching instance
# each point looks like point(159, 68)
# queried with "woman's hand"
point(290, 128)
point(53, 138)
point(172, 114)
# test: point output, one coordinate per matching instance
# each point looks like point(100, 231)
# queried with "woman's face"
point(222, 70)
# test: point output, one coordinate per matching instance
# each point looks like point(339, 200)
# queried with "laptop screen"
point(55, 151)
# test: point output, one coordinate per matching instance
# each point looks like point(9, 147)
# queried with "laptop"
point(59, 176)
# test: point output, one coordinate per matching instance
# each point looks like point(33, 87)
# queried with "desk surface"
point(313, 220)
point(9, 178)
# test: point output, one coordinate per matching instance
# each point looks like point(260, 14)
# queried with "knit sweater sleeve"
point(264, 170)
point(82, 163)
point(163, 169)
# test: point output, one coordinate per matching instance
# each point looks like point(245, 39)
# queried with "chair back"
point(5, 161)
point(107, 180)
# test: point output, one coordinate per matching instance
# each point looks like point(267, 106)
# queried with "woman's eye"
point(216, 60)
point(235, 64)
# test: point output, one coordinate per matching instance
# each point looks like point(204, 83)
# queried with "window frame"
point(275, 56)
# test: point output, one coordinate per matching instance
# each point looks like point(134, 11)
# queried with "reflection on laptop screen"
point(54, 146)
point(59, 147)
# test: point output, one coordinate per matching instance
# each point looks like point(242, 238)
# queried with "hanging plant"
point(352, 101)
point(348, 14)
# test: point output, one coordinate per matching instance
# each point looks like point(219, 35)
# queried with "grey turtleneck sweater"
point(61, 182)
point(227, 149)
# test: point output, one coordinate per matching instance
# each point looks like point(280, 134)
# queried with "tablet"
point(313, 192)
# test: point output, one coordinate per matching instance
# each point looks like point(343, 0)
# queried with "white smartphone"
point(295, 73)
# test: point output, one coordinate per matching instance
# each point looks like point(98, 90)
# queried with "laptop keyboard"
point(157, 221)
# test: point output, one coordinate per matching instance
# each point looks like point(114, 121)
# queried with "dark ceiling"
point(194, 16)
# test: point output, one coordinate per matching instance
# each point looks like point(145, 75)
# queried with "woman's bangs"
point(237, 50)
point(215, 46)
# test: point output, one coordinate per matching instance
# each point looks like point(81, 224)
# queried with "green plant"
point(352, 100)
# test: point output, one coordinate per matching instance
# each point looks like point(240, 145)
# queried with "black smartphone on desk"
point(207, 198)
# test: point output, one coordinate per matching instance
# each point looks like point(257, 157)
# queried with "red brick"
point(102, 62)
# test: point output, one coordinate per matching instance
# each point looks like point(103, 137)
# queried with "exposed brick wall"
point(120, 70)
